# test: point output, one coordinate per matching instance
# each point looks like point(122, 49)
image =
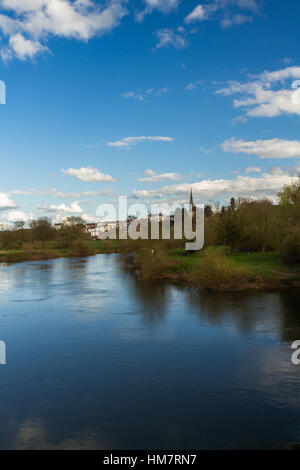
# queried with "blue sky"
point(146, 98)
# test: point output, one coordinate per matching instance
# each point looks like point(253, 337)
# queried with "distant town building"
point(97, 229)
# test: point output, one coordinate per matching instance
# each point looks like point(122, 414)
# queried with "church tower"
point(191, 198)
point(192, 206)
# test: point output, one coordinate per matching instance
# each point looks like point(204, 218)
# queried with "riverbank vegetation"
point(249, 244)
point(42, 241)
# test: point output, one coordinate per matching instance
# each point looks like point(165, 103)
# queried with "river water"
point(99, 360)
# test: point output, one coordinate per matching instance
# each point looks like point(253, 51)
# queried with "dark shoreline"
point(258, 285)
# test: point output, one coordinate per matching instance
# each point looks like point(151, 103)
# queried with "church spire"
point(191, 199)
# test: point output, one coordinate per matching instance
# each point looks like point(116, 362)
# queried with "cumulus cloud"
point(152, 177)
point(6, 202)
point(22, 48)
point(265, 185)
point(144, 193)
point(144, 95)
point(199, 13)
point(15, 216)
point(269, 94)
point(128, 142)
point(228, 12)
point(225, 11)
point(162, 5)
point(88, 174)
point(73, 208)
point(272, 148)
point(22, 5)
point(27, 24)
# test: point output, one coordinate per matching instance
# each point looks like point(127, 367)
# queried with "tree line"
point(259, 225)
point(244, 225)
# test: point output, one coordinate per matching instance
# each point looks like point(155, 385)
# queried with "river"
point(99, 360)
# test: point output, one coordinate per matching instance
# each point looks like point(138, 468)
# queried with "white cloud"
point(22, 5)
point(272, 148)
point(27, 25)
point(87, 218)
point(152, 177)
point(22, 48)
point(198, 14)
point(149, 172)
point(265, 185)
point(6, 202)
point(33, 21)
point(225, 10)
point(253, 169)
point(144, 95)
point(55, 193)
point(237, 20)
point(193, 85)
point(73, 208)
point(162, 5)
point(88, 174)
point(268, 94)
point(167, 37)
point(16, 216)
point(228, 12)
point(128, 142)
point(143, 193)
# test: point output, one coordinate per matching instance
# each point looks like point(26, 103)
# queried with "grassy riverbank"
point(52, 249)
point(48, 250)
point(215, 268)
point(269, 233)
point(212, 268)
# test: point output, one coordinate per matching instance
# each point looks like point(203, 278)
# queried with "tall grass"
point(211, 268)
point(214, 270)
point(154, 263)
point(80, 248)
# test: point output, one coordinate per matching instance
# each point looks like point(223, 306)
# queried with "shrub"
point(215, 271)
point(80, 248)
point(153, 263)
point(290, 250)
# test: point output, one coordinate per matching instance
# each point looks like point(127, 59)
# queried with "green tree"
point(260, 220)
point(232, 205)
point(75, 221)
point(289, 202)
point(290, 194)
point(19, 225)
point(208, 211)
point(42, 229)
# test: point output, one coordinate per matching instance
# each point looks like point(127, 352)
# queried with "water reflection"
point(244, 311)
point(290, 318)
point(32, 434)
point(152, 297)
point(98, 359)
